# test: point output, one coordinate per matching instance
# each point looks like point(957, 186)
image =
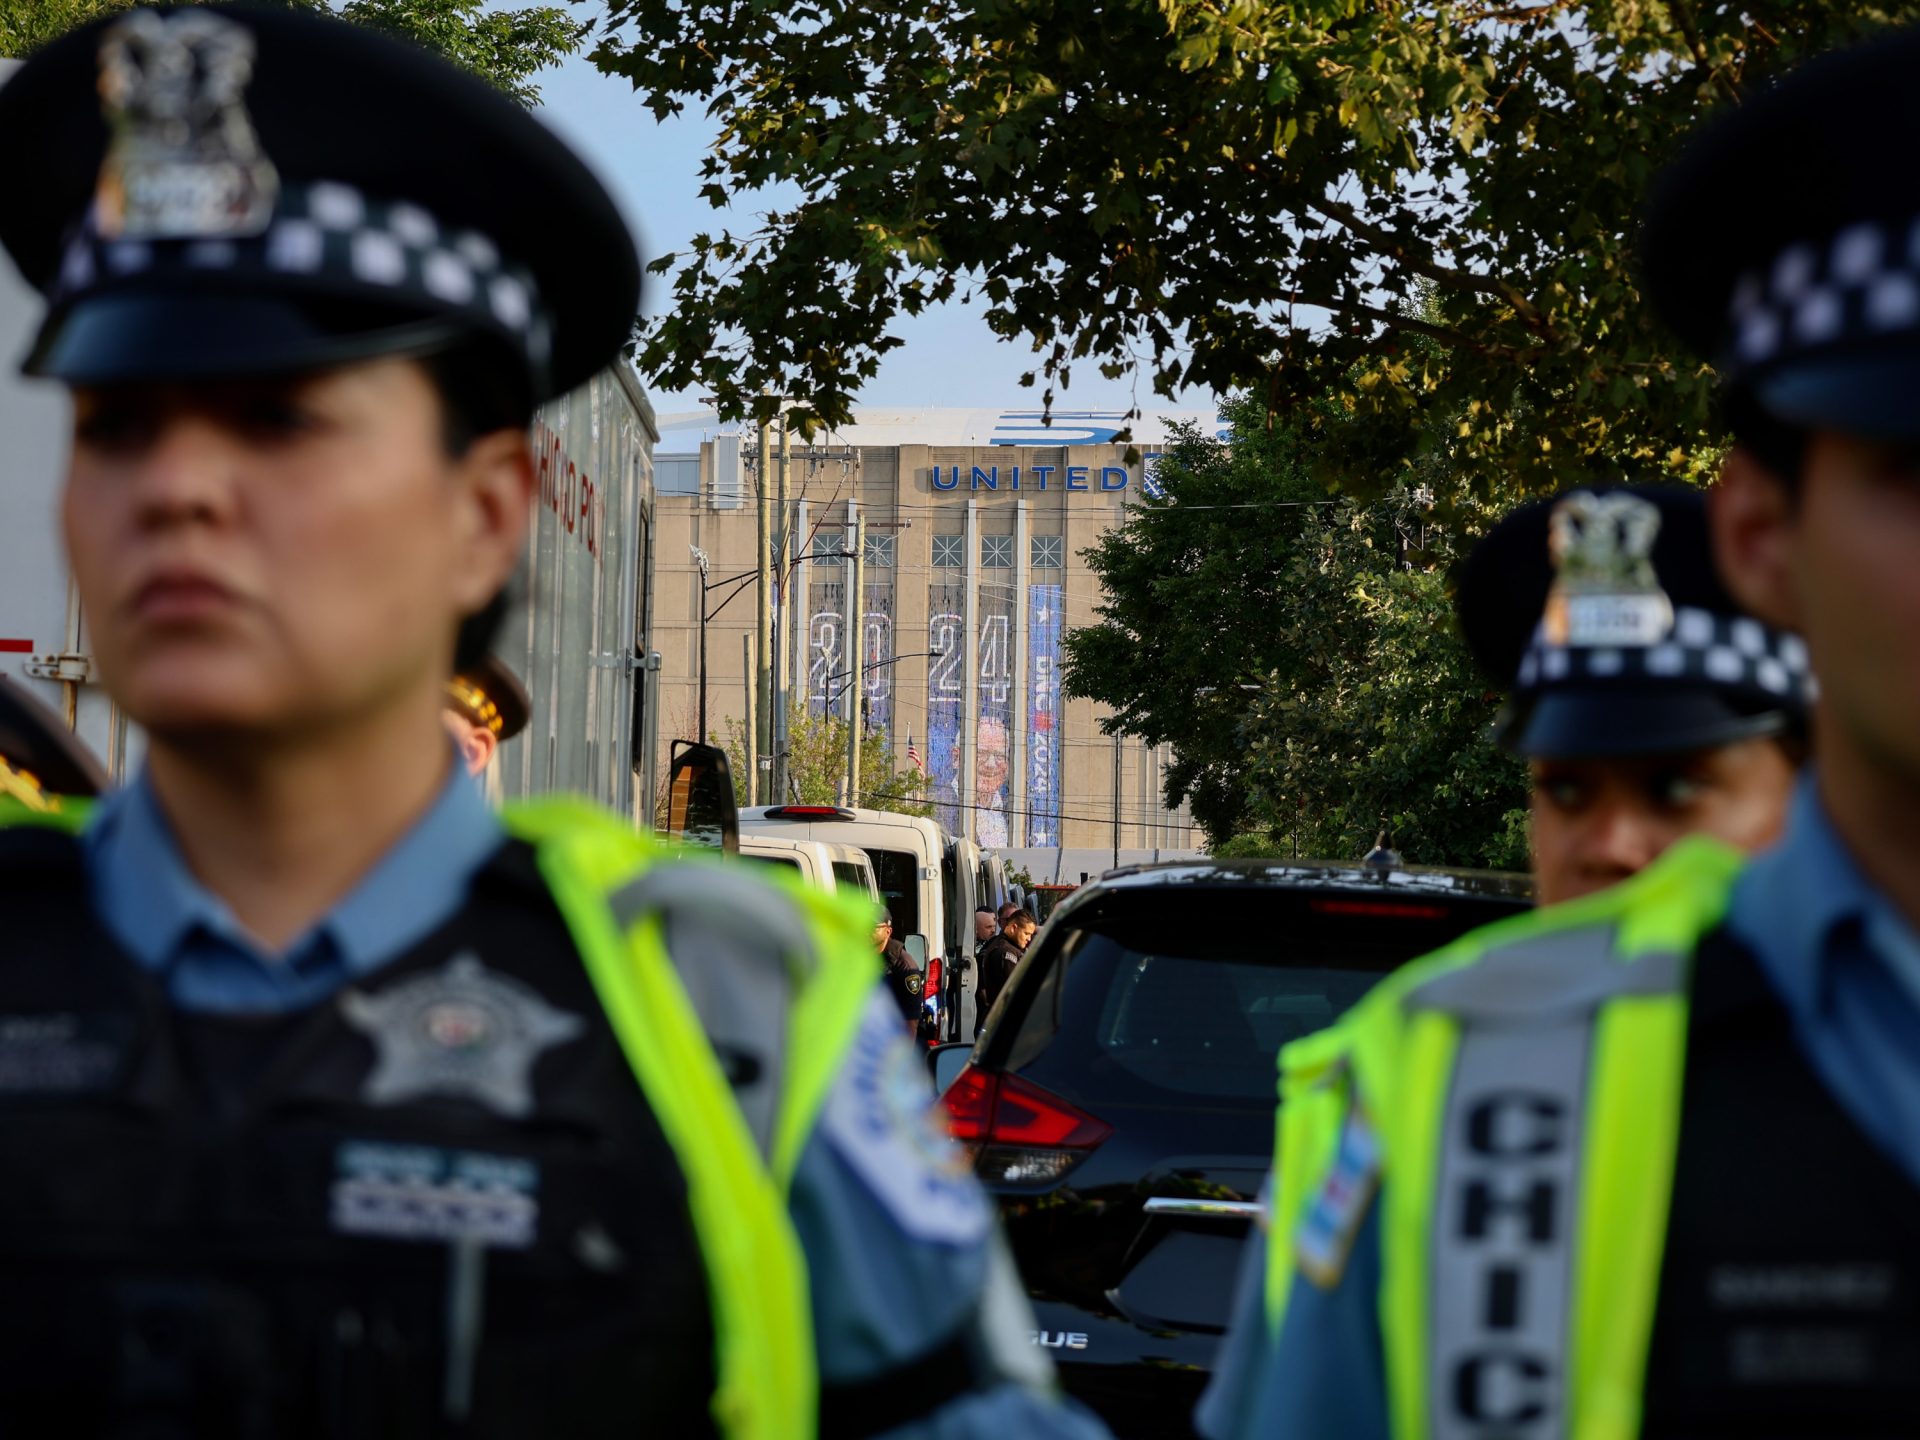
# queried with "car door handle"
point(1204, 1209)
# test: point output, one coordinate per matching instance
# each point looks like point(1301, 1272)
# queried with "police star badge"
point(1605, 591)
point(183, 162)
point(463, 1031)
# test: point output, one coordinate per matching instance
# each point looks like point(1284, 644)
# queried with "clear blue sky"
point(949, 358)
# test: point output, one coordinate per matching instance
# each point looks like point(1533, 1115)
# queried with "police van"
point(820, 864)
point(928, 878)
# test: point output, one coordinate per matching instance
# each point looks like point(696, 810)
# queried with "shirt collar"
point(1789, 901)
point(154, 904)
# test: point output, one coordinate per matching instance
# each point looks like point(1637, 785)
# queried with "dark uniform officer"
point(1647, 704)
point(330, 1103)
point(1648, 1163)
point(41, 759)
point(486, 706)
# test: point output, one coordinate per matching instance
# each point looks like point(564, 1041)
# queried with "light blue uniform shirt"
point(883, 1292)
point(1844, 963)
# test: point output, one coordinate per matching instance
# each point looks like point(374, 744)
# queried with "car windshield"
point(1162, 997)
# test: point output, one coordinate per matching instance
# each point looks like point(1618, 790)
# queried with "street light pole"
point(700, 559)
point(785, 589)
point(762, 680)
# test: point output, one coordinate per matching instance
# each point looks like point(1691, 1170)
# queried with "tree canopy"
point(506, 47)
point(817, 766)
point(1220, 193)
point(1298, 654)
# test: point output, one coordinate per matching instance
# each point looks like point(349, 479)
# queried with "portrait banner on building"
point(1043, 715)
point(946, 693)
point(993, 732)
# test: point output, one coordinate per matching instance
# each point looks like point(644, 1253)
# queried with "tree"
point(1379, 721)
point(817, 766)
point(1298, 654)
point(1213, 193)
point(1189, 584)
point(506, 47)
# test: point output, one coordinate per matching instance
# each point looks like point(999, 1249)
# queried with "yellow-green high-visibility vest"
point(618, 893)
point(1521, 1091)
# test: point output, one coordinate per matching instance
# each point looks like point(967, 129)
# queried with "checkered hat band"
point(1861, 284)
point(335, 237)
point(1704, 648)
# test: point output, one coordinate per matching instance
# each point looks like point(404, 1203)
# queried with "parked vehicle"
point(1120, 1101)
point(1046, 898)
point(821, 864)
point(927, 878)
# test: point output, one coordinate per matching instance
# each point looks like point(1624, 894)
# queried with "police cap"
point(490, 695)
point(34, 742)
point(209, 191)
point(1600, 611)
point(1784, 244)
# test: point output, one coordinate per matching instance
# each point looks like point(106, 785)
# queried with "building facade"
point(972, 577)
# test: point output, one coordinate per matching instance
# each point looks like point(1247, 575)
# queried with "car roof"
point(1431, 880)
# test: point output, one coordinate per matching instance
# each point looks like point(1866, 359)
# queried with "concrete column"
point(850, 646)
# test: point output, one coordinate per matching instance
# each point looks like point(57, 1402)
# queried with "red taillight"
point(1021, 1135)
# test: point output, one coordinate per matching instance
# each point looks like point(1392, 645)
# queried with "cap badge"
point(1605, 591)
point(183, 161)
point(463, 1031)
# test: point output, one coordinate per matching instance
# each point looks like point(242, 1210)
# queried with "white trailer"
point(43, 640)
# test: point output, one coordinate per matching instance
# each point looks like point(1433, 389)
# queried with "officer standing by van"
point(1646, 1163)
point(334, 1104)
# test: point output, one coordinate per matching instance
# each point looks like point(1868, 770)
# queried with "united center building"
point(974, 523)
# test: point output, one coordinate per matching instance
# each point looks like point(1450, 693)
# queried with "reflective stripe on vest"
point(1524, 1087)
point(1507, 1206)
point(597, 872)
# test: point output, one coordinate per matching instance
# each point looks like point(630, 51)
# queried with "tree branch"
point(1422, 263)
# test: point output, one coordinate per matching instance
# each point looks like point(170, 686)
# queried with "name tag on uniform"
point(62, 1053)
point(425, 1193)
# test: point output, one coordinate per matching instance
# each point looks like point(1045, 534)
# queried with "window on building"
point(996, 552)
point(1048, 551)
point(826, 548)
point(949, 552)
point(878, 550)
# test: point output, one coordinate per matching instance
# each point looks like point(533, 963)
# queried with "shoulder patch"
point(1332, 1222)
point(881, 1119)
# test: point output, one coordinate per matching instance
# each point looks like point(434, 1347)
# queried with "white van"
point(822, 864)
point(928, 880)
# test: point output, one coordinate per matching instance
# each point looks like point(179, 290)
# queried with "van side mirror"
point(700, 804)
point(916, 948)
point(947, 1061)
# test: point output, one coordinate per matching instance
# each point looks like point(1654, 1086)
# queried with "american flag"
point(913, 757)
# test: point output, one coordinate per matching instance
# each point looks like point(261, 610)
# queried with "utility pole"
point(751, 732)
point(789, 597)
point(1116, 799)
point(762, 706)
point(856, 650)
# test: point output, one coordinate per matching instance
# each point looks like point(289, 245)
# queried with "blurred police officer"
point(41, 760)
point(1649, 1163)
point(1647, 705)
point(334, 1105)
point(485, 706)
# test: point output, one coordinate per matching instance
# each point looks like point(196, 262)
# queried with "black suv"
point(1120, 1101)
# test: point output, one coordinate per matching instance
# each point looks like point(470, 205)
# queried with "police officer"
point(1598, 610)
point(333, 1104)
point(485, 706)
point(41, 760)
point(1647, 1163)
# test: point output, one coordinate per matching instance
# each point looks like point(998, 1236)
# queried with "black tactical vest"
point(439, 1205)
point(1790, 1292)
